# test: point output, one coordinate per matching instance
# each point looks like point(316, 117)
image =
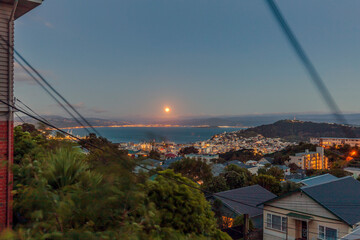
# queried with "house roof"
point(169, 161)
point(217, 169)
point(151, 161)
point(23, 6)
point(249, 197)
point(283, 167)
point(235, 162)
point(251, 162)
point(312, 181)
point(354, 235)
point(266, 160)
point(340, 196)
point(352, 169)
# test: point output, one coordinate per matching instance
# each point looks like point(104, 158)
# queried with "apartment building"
point(310, 160)
point(329, 142)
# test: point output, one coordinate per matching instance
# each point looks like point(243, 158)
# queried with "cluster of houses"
point(324, 207)
point(220, 143)
point(305, 160)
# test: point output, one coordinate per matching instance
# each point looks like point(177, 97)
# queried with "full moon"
point(167, 109)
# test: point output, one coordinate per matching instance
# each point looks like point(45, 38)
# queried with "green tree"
point(272, 171)
point(195, 169)
point(188, 150)
point(268, 182)
point(236, 177)
point(62, 193)
point(154, 154)
point(288, 186)
point(216, 184)
point(181, 206)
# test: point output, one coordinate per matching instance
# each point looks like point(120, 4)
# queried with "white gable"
point(300, 202)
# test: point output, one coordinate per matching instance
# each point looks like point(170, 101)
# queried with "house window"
point(276, 222)
point(227, 222)
point(327, 233)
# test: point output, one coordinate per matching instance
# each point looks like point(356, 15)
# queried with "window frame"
point(283, 222)
point(324, 232)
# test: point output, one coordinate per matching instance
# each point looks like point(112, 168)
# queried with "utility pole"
point(10, 10)
point(246, 226)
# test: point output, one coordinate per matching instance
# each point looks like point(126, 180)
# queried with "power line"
point(19, 117)
point(40, 120)
point(305, 60)
point(48, 92)
point(26, 106)
point(49, 85)
point(56, 92)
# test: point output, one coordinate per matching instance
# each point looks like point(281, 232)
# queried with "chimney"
point(9, 11)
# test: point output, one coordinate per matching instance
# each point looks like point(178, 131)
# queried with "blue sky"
point(118, 58)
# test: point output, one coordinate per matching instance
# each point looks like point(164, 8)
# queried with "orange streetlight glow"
point(167, 109)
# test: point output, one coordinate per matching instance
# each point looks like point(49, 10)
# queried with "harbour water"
point(141, 134)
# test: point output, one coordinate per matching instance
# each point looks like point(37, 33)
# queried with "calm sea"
point(172, 134)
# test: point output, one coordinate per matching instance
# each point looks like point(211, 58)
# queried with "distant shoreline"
point(154, 126)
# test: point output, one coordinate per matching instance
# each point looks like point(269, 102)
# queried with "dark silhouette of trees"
point(188, 150)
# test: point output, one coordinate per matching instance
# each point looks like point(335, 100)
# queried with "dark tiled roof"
point(282, 167)
point(340, 196)
point(217, 169)
point(152, 162)
point(269, 159)
point(169, 161)
point(252, 195)
point(235, 162)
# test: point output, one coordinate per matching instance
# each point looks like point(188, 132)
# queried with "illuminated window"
point(227, 222)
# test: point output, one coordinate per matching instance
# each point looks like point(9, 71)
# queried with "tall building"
point(9, 11)
point(310, 160)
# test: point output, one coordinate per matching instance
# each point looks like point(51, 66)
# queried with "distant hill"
point(62, 122)
point(294, 130)
point(255, 120)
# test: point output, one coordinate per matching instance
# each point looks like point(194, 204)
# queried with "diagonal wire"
point(49, 85)
point(45, 89)
point(19, 117)
point(309, 66)
point(55, 91)
point(27, 107)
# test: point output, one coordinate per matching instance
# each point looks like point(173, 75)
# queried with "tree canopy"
point(62, 191)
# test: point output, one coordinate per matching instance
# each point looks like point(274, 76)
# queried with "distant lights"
point(167, 109)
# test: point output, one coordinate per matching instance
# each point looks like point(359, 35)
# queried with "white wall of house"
point(301, 204)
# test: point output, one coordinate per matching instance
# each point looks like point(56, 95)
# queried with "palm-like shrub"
point(67, 167)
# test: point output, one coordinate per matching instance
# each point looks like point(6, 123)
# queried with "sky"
point(133, 58)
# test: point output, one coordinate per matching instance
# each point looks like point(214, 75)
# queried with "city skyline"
point(199, 58)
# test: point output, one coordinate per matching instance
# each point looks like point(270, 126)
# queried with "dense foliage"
point(188, 150)
point(62, 191)
point(195, 169)
point(241, 155)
